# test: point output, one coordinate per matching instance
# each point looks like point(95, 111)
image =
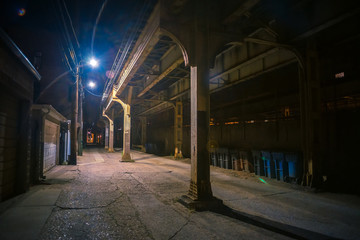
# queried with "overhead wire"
point(119, 60)
point(132, 36)
point(73, 53)
point(66, 33)
point(96, 95)
point(59, 40)
point(71, 24)
point(95, 26)
point(70, 54)
point(67, 62)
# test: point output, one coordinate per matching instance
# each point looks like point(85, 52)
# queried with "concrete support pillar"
point(111, 134)
point(310, 105)
point(178, 129)
point(143, 133)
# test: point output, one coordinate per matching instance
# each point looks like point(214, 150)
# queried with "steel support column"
point(111, 133)
point(178, 129)
point(127, 133)
point(200, 187)
point(311, 117)
point(106, 135)
point(126, 157)
point(143, 134)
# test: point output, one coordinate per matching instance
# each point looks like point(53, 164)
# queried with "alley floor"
point(103, 198)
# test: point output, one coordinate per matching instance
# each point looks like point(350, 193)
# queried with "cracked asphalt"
point(103, 198)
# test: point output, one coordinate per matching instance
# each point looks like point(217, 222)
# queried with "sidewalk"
point(102, 198)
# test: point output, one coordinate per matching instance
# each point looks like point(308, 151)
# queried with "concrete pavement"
point(102, 198)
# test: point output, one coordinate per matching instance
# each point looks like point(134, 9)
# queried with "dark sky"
point(116, 18)
point(41, 25)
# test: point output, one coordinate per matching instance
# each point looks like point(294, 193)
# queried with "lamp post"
point(80, 139)
point(74, 119)
point(76, 114)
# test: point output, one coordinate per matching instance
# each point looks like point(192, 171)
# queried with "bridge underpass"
point(263, 90)
point(195, 84)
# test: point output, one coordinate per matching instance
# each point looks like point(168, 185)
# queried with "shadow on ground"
point(281, 228)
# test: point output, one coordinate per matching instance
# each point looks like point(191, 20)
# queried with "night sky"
point(36, 25)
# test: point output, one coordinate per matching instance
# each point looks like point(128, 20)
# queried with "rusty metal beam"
point(326, 24)
point(172, 48)
point(253, 76)
point(180, 94)
point(156, 106)
point(245, 7)
point(262, 24)
point(184, 70)
point(267, 53)
point(129, 97)
point(144, 45)
point(161, 76)
point(154, 100)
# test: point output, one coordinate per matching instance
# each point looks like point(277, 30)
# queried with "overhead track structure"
point(189, 51)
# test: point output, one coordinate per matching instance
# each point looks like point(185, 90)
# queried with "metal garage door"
point(51, 140)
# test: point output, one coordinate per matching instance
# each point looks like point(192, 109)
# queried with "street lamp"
point(91, 84)
point(78, 113)
point(93, 62)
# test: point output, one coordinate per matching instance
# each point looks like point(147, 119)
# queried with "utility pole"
point(74, 119)
point(80, 137)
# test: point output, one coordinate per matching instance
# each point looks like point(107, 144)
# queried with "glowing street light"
point(91, 84)
point(77, 115)
point(93, 62)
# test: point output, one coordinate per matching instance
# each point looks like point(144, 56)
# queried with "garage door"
point(9, 111)
point(51, 140)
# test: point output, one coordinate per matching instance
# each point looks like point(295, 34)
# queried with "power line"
point(96, 95)
point(71, 24)
point(68, 49)
point(124, 49)
point(95, 26)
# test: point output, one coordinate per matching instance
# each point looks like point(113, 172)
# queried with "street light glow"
point(93, 62)
point(91, 84)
